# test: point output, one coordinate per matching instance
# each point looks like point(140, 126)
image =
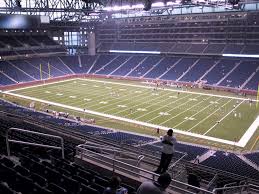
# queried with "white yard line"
point(124, 119)
point(124, 99)
point(173, 102)
point(242, 142)
point(44, 84)
point(184, 111)
point(209, 115)
point(143, 102)
point(196, 113)
point(166, 89)
point(133, 85)
point(222, 118)
point(105, 96)
point(182, 104)
point(59, 90)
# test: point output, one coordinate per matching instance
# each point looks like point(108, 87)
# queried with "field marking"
point(159, 107)
point(242, 142)
point(103, 93)
point(166, 89)
point(249, 133)
point(125, 119)
point(44, 84)
point(223, 118)
point(133, 85)
point(134, 105)
point(122, 100)
point(196, 113)
point(209, 115)
point(184, 111)
point(166, 106)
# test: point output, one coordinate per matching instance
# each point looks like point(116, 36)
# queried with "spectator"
point(168, 142)
point(193, 180)
point(157, 131)
point(158, 187)
point(115, 187)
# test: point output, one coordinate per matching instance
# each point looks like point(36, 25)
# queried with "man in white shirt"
point(168, 142)
point(158, 187)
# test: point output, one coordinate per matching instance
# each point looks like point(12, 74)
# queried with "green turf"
point(196, 113)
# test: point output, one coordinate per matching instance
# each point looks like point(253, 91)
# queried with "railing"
point(238, 188)
point(33, 144)
point(253, 188)
point(177, 161)
point(212, 181)
point(86, 152)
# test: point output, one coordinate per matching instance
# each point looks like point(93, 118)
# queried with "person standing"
point(158, 187)
point(168, 142)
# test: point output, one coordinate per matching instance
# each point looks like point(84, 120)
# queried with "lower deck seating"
point(220, 160)
point(128, 138)
point(191, 150)
point(253, 157)
point(231, 163)
point(35, 170)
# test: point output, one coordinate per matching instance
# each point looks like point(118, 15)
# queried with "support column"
point(91, 43)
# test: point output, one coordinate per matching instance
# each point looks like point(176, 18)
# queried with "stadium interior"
point(84, 85)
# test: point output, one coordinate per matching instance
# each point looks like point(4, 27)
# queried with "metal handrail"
point(102, 148)
point(230, 184)
point(33, 144)
point(229, 188)
point(140, 158)
point(83, 153)
point(212, 181)
point(177, 161)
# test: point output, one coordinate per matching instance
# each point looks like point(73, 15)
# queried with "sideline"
point(126, 119)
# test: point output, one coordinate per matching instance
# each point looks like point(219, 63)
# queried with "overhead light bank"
point(135, 52)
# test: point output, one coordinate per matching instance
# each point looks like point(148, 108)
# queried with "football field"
point(225, 119)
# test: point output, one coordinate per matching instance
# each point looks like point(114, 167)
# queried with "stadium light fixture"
point(138, 6)
point(119, 8)
point(135, 52)
point(240, 55)
point(158, 4)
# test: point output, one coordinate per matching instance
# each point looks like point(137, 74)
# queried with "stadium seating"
point(6, 80)
point(222, 72)
point(40, 165)
point(56, 64)
point(218, 38)
point(101, 62)
point(40, 170)
point(128, 66)
point(198, 70)
point(253, 82)
point(113, 66)
point(192, 150)
point(180, 67)
point(162, 67)
point(254, 157)
point(231, 163)
point(13, 72)
point(147, 64)
point(128, 138)
point(242, 72)
point(219, 71)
